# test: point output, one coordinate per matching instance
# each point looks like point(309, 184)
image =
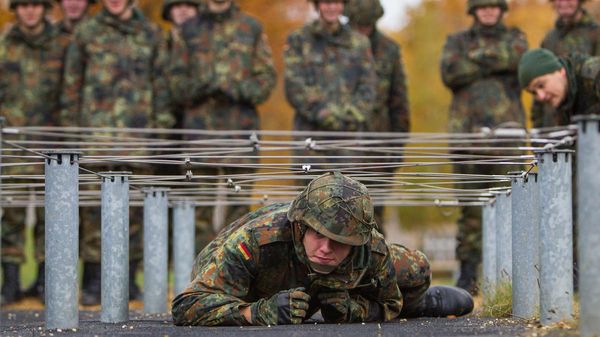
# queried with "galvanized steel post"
point(556, 237)
point(62, 240)
point(183, 243)
point(115, 247)
point(489, 250)
point(503, 239)
point(1, 199)
point(525, 246)
point(588, 215)
point(156, 233)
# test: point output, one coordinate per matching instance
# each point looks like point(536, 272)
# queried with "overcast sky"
point(395, 10)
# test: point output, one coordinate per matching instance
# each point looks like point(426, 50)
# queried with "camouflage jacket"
point(391, 113)
point(583, 96)
point(31, 75)
point(114, 74)
point(224, 69)
point(257, 256)
point(583, 38)
point(480, 65)
point(330, 78)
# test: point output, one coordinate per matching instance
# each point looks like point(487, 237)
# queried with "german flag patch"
point(244, 250)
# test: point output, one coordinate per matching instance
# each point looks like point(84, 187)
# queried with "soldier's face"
point(330, 11)
point(30, 15)
point(116, 7)
point(182, 12)
point(74, 10)
point(488, 15)
point(551, 88)
point(324, 251)
point(566, 8)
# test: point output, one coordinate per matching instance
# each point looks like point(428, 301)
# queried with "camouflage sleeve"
point(215, 295)
point(504, 57)
point(257, 88)
point(457, 68)
point(398, 98)
point(301, 90)
point(74, 72)
point(385, 302)
point(595, 37)
point(363, 99)
point(161, 101)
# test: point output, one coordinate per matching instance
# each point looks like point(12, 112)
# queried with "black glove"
point(338, 307)
point(285, 307)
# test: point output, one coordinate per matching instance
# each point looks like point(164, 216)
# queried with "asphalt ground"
point(28, 323)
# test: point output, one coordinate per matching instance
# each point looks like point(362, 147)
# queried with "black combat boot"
point(134, 291)
point(444, 301)
point(90, 291)
point(11, 288)
point(468, 277)
point(37, 289)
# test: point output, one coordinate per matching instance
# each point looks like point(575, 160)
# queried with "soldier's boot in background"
point(11, 288)
point(444, 301)
point(134, 291)
point(37, 289)
point(468, 277)
point(90, 290)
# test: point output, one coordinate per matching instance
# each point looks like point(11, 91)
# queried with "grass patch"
point(499, 305)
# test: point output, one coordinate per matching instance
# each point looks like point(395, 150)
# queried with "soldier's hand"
point(285, 307)
point(335, 305)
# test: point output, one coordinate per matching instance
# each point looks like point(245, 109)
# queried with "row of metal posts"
point(531, 246)
point(62, 252)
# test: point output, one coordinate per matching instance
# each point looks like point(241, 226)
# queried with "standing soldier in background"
point(31, 68)
point(114, 78)
point(575, 32)
point(391, 113)
point(73, 12)
point(330, 78)
point(223, 70)
point(479, 65)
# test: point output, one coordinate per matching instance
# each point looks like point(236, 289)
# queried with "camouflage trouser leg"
point(413, 275)
point(13, 235)
point(91, 234)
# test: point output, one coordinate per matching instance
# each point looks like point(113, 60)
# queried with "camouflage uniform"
point(114, 77)
point(581, 37)
point(258, 255)
point(391, 112)
point(330, 81)
point(32, 75)
point(583, 95)
point(223, 70)
point(480, 65)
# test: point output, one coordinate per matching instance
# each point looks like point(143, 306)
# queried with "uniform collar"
point(42, 40)
point(341, 37)
point(131, 26)
point(220, 17)
point(586, 20)
point(489, 31)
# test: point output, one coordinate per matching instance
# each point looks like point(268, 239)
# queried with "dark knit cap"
point(535, 63)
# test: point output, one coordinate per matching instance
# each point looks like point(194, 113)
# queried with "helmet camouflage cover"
point(167, 4)
point(364, 12)
point(337, 207)
point(14, 3)
point(472, 4)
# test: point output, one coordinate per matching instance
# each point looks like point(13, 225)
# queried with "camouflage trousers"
point(13, 235)
point(414, 277)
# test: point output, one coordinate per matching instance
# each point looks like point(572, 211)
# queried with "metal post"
point(183, 243)
point(556, 237)
point(525, 246)
point(156, 222)
point(1, 199)
point(115, 247)
point(489, 250)
point(62, 240)
point(588, 213)
point(504, 239)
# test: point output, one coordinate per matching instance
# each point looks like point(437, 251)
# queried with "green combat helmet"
point(473, 4)
point(315, 2)
point(337, 207)
point(363, 12)
point(14, 3)
point(167, 4)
